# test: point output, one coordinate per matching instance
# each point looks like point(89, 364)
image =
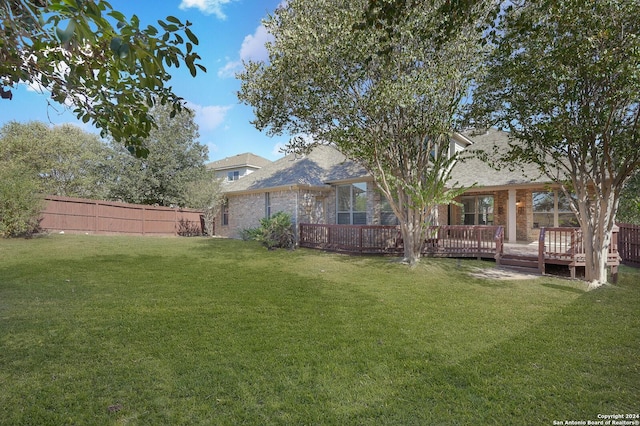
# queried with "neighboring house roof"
point(241, 160)
point(471, 169)
point(323, 165)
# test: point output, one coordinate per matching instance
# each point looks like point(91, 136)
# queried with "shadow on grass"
point(577, 363)
point(564, 288)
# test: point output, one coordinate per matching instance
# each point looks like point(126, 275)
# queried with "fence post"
point(96, 217)
point(541, 239)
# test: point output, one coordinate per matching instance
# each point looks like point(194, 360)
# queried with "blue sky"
point(229, 31)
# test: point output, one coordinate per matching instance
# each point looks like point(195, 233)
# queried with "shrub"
point(273, 232)
point(20, 202)
point(187, 228)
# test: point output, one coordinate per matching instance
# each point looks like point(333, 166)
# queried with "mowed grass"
point(150, 331)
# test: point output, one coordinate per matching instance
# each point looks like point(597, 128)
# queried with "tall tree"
point(175, 159)
point(85, 53)
point(564, 79)
point(382, 81)
point(206, 194)
point(64, 160)
point(20, 201)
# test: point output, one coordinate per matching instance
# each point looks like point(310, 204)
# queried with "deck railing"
point(565, 246)
point(629, 244)
point(446, 240)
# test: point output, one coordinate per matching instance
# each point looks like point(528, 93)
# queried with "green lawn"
point(119, 330)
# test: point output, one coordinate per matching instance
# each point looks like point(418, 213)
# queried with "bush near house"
point(274, 232)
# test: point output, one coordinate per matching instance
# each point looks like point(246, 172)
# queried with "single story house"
point(325, 187)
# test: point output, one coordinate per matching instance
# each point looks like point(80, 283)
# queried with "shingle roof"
point(471, 169)
point(324, 164)
point(240, 160)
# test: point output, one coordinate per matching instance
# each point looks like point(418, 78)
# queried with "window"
point(225, 213)
point(352, 204)
point(552, 209)
point(231, 176)
point(267, 205)
point(477, 210)
point(566, 217)
point(387, 216)
point(543, 207)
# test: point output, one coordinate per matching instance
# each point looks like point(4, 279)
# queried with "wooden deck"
point(442, 241)
point(556, 246)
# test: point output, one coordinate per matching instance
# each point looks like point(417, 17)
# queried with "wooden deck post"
point(541, 266)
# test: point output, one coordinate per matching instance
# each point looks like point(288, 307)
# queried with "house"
point(303, 186)
point(233, 168)
point(518, 198)
point(325, 187)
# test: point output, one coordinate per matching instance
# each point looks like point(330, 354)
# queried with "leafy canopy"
point(109, 68)
point(564, 79)
point(382, 83)
point(175, 160)
point(64, 160)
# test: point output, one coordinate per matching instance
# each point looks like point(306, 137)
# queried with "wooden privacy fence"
point(446, 240)
point(629, 244)
point(77, 215)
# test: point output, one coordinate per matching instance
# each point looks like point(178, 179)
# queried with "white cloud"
point(213, 149)
point(278, 149)
point(208, 7)
point(230, 69)
point(211, 116)
point(253, 48)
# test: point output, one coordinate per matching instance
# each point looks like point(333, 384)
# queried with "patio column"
point(511, 213)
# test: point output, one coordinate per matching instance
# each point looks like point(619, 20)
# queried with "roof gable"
point(470, 169)
point(246, 159)
point(323, 165)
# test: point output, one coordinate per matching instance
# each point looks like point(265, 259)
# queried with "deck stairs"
point(520, 262)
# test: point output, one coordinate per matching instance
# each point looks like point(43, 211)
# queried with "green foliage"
point(66, 160)
point(109, 67)
point(274, 232)
point(174, 161)
point(20, 201)
point(206, 195)
point(563, 79)
point(629, 210)
point(383, 85)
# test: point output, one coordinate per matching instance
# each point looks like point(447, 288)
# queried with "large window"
point(267, 205)
point(387, 216)
point(231, 176)
point(225, 213)
point(566, 217)
point(543, 207)
point(352, 204)
point(552, 209)
point(477, 210)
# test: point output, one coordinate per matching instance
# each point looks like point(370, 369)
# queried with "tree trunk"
point(209, 220)
point(597, 220)
point(413, 236)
